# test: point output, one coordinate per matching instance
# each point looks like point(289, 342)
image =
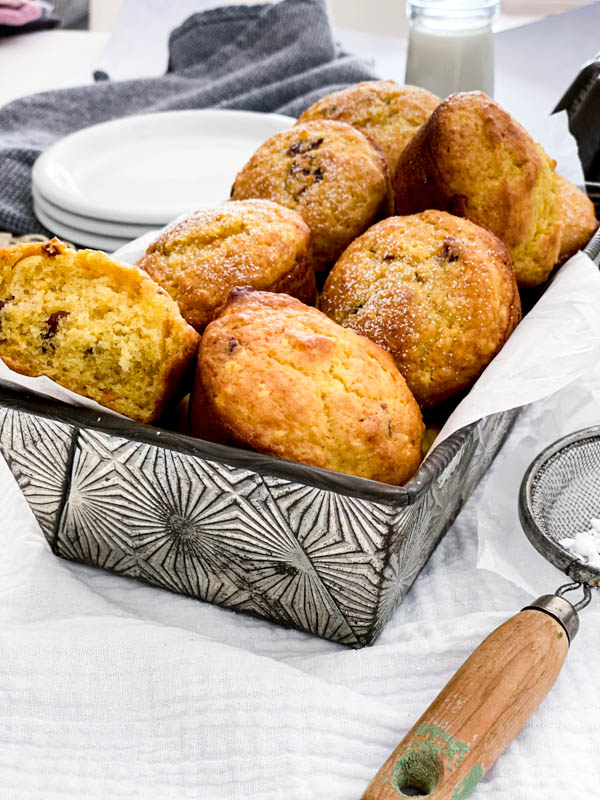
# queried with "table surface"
point(36, 62)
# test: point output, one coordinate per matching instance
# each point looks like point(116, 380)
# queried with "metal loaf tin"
point(327, 553)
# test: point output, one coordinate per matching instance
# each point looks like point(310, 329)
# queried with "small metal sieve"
point(560, 494)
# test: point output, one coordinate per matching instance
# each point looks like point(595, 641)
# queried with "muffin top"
point(578, 215)
point(238, 243)
point(388, 112)
point(331, 173)
point(312, 391)
point(438, 292)
point(473, 159)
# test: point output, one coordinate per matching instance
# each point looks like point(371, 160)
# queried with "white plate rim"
point(84, 207)
point(81, 238)
point(120, 230)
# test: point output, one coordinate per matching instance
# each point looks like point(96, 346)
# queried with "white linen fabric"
point(110, 688)
point(113, 689)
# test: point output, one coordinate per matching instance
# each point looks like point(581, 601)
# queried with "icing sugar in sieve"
point(559, 505)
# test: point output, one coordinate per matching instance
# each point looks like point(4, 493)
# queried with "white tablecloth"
point(110, 688)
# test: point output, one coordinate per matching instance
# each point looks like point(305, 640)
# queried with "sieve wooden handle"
point(478, 713)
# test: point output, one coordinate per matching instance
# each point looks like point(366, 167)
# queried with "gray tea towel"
point(277, 58)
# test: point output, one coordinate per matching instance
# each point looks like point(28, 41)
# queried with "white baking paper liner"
point(555, 344)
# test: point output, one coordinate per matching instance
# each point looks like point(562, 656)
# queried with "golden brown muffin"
point(284, 379)
point(95, 325)
point(331, 173)
point(579, 218)
point(438, 292)
point(474, 160)
point(388, 112)
point(240, 243)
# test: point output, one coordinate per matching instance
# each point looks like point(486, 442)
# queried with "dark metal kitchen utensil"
point(581, 101)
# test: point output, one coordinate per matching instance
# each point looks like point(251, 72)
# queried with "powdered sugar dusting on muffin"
point(329, 172)
point(252, 242)
point(436, 291)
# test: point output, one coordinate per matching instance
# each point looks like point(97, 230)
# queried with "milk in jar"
point(450, 46)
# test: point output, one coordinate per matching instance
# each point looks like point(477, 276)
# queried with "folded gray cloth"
point(267, 57)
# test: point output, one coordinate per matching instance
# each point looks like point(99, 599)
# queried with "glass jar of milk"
point(450, 46)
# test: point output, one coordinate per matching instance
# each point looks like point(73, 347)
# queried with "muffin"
point(579, 218)
point(240, 243)
point(312, 391)
point(474, 160)
point(388, 112)
point(330, 173)
point(93, 324)
point(436, 291)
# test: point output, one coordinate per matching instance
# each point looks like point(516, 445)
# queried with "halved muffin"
point(95, 325)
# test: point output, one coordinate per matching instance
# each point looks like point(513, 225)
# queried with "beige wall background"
point(378, 16)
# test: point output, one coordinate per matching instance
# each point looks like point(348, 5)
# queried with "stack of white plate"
point(110, 183)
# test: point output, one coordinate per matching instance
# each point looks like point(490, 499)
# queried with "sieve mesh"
point(560, 494)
